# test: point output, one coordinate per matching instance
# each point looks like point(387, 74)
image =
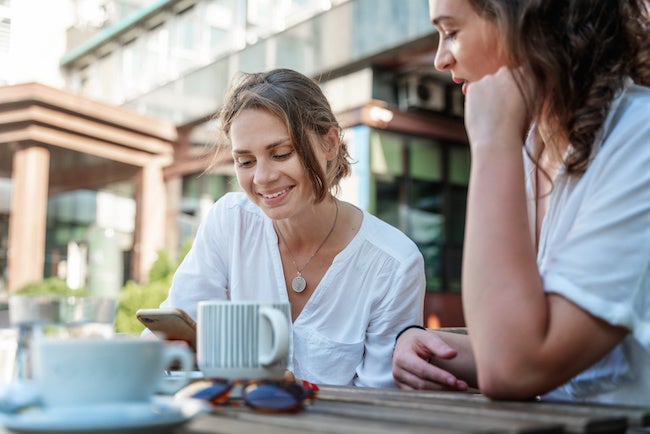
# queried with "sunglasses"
point(264, 395)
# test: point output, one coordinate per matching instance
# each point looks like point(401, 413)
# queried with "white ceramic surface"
point(159, 415)
point(242, 340)
point(87, 371)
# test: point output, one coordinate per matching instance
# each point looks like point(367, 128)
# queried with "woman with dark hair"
point(350, 278)
point(556, 268)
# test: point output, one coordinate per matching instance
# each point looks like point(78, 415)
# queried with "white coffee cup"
point(242, 340)
point(95, 370)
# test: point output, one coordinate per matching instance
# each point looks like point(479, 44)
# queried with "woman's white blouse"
point(346, 332)
point(594, 249)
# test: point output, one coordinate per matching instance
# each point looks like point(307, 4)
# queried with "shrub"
point(134, 296)
point(50, 286)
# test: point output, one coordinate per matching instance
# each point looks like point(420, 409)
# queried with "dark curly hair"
point(299, 102)
point(578, 54)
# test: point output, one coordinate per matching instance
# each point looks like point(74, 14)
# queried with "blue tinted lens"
point(273, 397)
point(214, 391)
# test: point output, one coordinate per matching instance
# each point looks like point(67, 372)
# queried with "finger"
point(420, 374)
point(288, 376)
point(408, 381)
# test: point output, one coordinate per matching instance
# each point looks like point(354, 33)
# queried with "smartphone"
point(170, 324)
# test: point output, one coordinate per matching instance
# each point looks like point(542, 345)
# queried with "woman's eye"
point(451, 35)
point(244, 162)
point(283, 155)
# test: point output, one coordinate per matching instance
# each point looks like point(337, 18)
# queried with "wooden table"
point(349, 410)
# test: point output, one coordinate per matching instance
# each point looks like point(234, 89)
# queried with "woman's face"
point(267, 165)
point(468, 43)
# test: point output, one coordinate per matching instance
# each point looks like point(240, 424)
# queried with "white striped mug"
point(242, 340)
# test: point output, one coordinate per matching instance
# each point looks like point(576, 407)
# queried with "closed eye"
point(450, 36)
point(244, 161)
point(283, 155)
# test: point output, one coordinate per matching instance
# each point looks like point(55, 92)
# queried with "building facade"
point(173, 60)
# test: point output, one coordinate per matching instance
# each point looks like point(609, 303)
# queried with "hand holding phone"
point(170, 324)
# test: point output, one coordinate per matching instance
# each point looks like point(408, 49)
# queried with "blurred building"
point(115, 133)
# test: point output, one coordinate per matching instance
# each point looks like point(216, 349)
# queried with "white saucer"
point(158, 416)
point(175, 383)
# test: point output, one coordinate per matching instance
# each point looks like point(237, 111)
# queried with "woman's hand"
point(289, 377)
point(421, 359)
point(495, 111)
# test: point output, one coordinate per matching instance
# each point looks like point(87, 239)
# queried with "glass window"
point(386, 153)
point(200, 191)
point(4, 248)
point(459, 162)
point(426, 224)
point(425, 198)
point(387, 190)
point(186, 50)
point(425, 160)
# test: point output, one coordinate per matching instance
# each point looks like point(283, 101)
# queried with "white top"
point(346, 332)
point(595, 250)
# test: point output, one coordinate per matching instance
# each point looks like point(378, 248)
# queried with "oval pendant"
point(298, 284)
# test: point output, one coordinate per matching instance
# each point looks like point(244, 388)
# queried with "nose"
point(265, 172)
point(443, 60)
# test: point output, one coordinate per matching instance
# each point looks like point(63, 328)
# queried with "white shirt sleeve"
point(203, 274)
point(595, 250)
point(595, 246)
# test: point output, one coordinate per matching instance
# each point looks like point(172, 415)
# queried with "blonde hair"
point(300, 103)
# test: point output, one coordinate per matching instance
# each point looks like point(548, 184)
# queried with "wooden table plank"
point(575, 418)
point(350, 410)
point(246, 421)
point(428, 418)
point(218, 424)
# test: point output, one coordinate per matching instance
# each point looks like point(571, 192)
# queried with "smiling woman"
point(352, 280)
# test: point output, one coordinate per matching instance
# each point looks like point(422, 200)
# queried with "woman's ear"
point(332, 141)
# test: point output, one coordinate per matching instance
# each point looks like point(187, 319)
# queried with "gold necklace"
point(298, 283)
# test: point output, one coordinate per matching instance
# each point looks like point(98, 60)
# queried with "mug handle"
point(280, 330)
point(169, 384)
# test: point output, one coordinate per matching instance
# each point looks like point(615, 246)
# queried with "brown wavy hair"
point(299, 102)
point(576, 55)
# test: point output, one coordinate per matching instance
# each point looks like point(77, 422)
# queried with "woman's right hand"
point(417, 362)
point(495, 111)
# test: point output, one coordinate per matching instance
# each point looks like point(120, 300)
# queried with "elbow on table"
point(504, 383)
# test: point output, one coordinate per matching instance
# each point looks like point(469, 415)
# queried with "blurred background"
point(106, 125)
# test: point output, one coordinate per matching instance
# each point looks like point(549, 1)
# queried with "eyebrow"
point(437, 20)
point(267, 147)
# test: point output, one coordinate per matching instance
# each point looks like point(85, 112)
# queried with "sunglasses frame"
point(307, 393)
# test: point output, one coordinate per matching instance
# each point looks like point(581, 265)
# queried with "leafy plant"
point(134, 296)
point(50, 286)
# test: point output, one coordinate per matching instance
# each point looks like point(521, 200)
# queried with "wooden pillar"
point(174, 186)
point(28, 215)
point(150, 219)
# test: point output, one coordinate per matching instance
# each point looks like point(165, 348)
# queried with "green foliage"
point(50, 286)
point(162, 268)
point(185, 248)
point(135, 296)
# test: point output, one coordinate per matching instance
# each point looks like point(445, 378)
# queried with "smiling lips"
point(274, 195)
